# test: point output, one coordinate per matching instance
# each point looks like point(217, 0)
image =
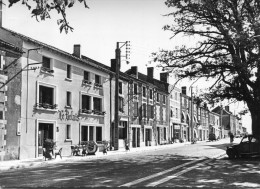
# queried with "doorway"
point(45, 132)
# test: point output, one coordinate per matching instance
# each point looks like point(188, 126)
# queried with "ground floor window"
point(91, 133)
point(68, 132)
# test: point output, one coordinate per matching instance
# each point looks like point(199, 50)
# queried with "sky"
point(99, 28)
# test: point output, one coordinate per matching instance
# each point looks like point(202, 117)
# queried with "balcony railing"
point(46, 106)
point(86, 82)
point(46, 70)
point(95, 112)
point(98, 85)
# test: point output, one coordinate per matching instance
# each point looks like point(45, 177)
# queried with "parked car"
point(212, 137)
point(249, 145)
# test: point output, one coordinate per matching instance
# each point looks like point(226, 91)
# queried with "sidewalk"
point(19, 164)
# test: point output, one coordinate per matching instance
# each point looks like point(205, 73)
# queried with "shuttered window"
point(135, 109)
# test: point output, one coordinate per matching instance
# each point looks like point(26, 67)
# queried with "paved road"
point(185, 166)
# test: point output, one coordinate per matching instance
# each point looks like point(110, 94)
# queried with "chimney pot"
point(150, 71)
point(76, 51)
point(164, 77)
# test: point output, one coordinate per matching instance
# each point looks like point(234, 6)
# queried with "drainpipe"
point(111, 129)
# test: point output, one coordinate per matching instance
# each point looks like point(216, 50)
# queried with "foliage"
point(42, 8)
point(228, 34)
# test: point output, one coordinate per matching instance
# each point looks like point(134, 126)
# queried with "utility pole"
point(118, 64)
point(191, 121)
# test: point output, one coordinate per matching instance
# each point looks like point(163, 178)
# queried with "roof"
point(10, 49)
point(84, 59)
point(163, 86)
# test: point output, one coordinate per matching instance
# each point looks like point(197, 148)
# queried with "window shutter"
point(144, 110)
point(148, 111)
point(152, 111)
point(135, 109)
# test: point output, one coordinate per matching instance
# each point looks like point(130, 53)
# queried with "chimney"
point(134, 70)
point(150, 72)
point(76, 51)
point(113, 65)
point(164, 77)
point(227, 108)
point(183, 90)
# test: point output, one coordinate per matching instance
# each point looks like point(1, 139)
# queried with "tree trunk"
point(255, 114)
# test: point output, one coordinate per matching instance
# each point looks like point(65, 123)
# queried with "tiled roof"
point(85, 60)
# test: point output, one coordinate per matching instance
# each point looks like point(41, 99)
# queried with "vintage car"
point(249, 145)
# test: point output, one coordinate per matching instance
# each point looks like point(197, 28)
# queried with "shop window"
point(68, 132)
point(84, 133)
point(68, 99)
point(68, 71)
point(46, 97)
point(98, 133)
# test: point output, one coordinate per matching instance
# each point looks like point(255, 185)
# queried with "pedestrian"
point(231, 137)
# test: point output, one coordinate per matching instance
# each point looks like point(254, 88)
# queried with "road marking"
point(159, 174)
point(177, 174)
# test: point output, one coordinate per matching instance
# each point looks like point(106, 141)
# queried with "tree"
point(42, 8)
point(228, 34)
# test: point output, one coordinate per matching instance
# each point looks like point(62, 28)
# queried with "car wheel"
point(231, 154)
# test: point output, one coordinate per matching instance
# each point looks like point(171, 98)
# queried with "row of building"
point(68, 97)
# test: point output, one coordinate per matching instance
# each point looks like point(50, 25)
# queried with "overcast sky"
point(99, 28)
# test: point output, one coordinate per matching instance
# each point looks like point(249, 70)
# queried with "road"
point(186, 166)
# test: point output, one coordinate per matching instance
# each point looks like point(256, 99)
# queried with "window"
point(85, 102)
point(144, 110)
point(151, 94)
point(2, 61)
point(97, 104)
point(121, 104)
point(68, 132)
point(91, 133)
point(135, 109)
point(158, 97)
point(164, 99)
point(135, 88)
point(1, 115)
point(120, 88)
point(68, 71)
point(177, 113)
point(171, 113)
point(122, 130)
point(46, 65)
point(97, 79)
point(144, 92)
point(86, 75)
point(68, 99)
point(46, 97)
point(46, 62)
